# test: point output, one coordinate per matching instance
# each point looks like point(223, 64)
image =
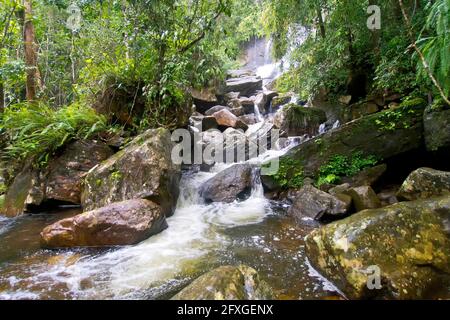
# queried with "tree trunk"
point(2, 97)
point(33, 82)
point(321, 23)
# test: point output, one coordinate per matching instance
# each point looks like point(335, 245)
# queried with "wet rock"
point(297, 121)
point(366, 177)
point(143, 170)
point(203, 123)
point(122, 223)
point(248, 104)
point(364, 198)
point(279, 101)
point(226, 119)
point(227, 283)
point(234, 183)
point(240, 73)
point(314, 203)
point(204, 99)
point(437, 129)
point(425, 183)
point(408, 242)
point(340, 189)
point(388, 196)
point(215, 109)
point(364, 135)
point(246, 86)
point(232, 96)
point(248, 119)
point(60, 181)
point(264, 99)
point(363, 109)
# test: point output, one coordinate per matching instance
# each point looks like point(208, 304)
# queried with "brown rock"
point(123, 223)
point(226, 119)
point(364, 198)
point(313, 203)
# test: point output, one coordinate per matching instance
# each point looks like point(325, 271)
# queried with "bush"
point(343, 166)
point(36, 130)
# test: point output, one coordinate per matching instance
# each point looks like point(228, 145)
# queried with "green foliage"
point(344, 166)
point(434, 43)
point(289, 174)
point(37, 130)
point(392, 120)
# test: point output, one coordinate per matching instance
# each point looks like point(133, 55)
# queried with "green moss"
point(289, 174)
point(392, 120)
point(98, 182)
point(2, 188)
point(2, 201)
point(344, 166)
point(116, 176)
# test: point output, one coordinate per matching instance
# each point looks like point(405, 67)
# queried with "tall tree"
point(33, 82)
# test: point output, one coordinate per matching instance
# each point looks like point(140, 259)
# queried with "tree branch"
point(421, 56)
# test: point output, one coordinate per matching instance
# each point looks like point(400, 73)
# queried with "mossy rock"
point(297, 120)
point(408, 242)
point(143, 170)
point(2, 201)
point(425, 183)
point(437, 129)
point(227, 283)
point(365, 136)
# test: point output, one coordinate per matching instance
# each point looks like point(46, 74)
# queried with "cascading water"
point(200, 237)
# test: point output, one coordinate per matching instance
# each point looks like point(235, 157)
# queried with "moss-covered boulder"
point(382, 135)
point(279, 101)
point(143, 170)
point(437, 128)
point(60, 181)
point(124, 223)
point(425, 183)
point(296, 120)
point(227, 283)
point(407, 242)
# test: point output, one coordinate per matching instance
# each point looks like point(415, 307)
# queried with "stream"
point(256, 232)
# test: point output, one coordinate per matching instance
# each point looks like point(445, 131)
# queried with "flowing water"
point(256, 232)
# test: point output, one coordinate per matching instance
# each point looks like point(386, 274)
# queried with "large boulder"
point(313, 203)
point(297, 120)
point(204, 99)
point(425, 183)
point(372, 135)
point(408, 243)
point(143, 170)
point(234, 183)
point(60, 181)
point(246, 86)
point(437, 128)
point(227, 119)
point(123, 223)
point(227, 283)
point(214, 109)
